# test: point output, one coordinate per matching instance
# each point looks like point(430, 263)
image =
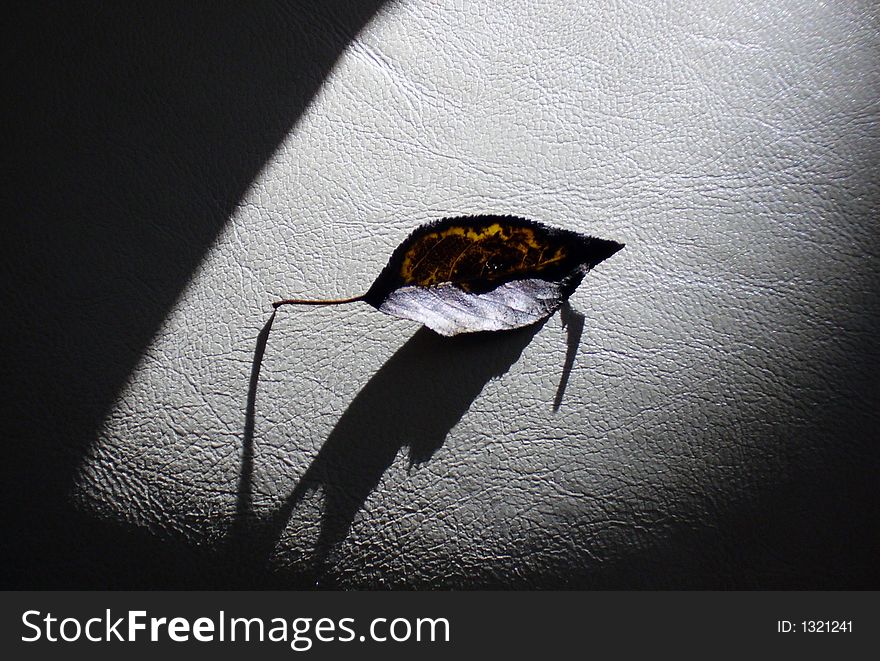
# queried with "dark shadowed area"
point(132, 131)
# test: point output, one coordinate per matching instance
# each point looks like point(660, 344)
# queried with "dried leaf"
point(480, 273)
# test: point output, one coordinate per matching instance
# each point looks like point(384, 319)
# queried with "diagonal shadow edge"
point(137, 134)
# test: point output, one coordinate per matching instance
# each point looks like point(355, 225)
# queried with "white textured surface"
point(732, 146)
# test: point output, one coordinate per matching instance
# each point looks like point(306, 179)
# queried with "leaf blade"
point(480, 273)
point(461, 275)
point(448, 310)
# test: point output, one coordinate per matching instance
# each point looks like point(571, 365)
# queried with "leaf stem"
point(331, 301)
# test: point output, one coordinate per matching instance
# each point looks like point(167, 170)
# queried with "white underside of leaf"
point(448, 310)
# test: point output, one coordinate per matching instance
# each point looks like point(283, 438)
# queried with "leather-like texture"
point(706, 416)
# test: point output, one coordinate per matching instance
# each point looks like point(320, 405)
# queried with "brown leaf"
point(478, 273)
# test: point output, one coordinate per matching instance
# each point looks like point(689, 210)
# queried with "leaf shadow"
point(573, 321)
point(413, 401)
